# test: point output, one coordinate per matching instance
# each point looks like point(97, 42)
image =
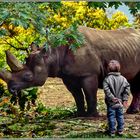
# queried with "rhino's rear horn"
point(13, 63)
point(5, 75)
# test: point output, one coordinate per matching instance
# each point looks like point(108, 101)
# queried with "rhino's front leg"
point(73, 85)
point(90, 86)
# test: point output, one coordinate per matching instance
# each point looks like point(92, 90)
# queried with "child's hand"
point(115, 100)
point(125, 104)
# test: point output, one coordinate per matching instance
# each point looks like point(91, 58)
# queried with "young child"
point(116, 90)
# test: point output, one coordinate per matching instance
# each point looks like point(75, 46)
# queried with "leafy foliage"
point(56, 112)
point(134, 7)
point(84, 13)
point(14, 14)
point(61, 29)
point(70, 36)
point(20, 25)
point(23, 23)
point(25, 99)
point(137, 21)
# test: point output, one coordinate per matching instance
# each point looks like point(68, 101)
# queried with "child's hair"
point(113, 66)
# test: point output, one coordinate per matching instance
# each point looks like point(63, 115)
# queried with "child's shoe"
point(112, 134)
point(120, 133)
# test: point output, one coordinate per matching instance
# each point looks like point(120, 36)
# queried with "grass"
point(54, 125)
point(54, 117)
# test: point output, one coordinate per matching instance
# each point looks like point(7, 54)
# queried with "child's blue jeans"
point(115, 115)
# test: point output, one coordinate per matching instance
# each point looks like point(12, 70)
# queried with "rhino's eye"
point(28, 77)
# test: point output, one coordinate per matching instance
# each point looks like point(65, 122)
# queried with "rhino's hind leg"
point(73, 85)
point(135, 90)
point(135, 104)
point(90, 86)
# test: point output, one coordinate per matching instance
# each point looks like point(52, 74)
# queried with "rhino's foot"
point(95, 114)
point(81, 114)
point(132, 110)
point(87, 115)
point(135, 105)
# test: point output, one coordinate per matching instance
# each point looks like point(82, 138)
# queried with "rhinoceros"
point(82, 71)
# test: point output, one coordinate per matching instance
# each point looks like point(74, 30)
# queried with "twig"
point(24, 49)
point(18, 41)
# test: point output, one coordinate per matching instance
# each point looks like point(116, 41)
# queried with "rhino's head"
point(32, 73)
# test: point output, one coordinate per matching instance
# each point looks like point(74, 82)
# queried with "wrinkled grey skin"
point(83, 71)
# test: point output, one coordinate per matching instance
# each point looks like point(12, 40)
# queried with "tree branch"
point(18, 41)
point(23, 49)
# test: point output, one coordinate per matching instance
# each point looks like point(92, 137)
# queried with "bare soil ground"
point(54, 94)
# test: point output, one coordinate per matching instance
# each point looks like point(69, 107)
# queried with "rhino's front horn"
point(13, 63)
point(5, 75)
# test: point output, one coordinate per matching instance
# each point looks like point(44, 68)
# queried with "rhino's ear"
point(46, 50)
point(34, 47)
point(39, 56)
point(5, 75)
point(43, 51)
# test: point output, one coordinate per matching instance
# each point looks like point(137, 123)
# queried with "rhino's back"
point(122, 45)
point(111, 38)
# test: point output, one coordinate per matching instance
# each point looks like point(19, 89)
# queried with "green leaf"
point(15, 22)
point(3, 32)
point(95, 5)
point(55, 5)
point(4, 15)
point(24, 15)
point(114, 4)
point(25, 25)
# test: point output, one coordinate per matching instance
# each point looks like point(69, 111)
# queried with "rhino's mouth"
point(14, 92)
point(15, 88)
